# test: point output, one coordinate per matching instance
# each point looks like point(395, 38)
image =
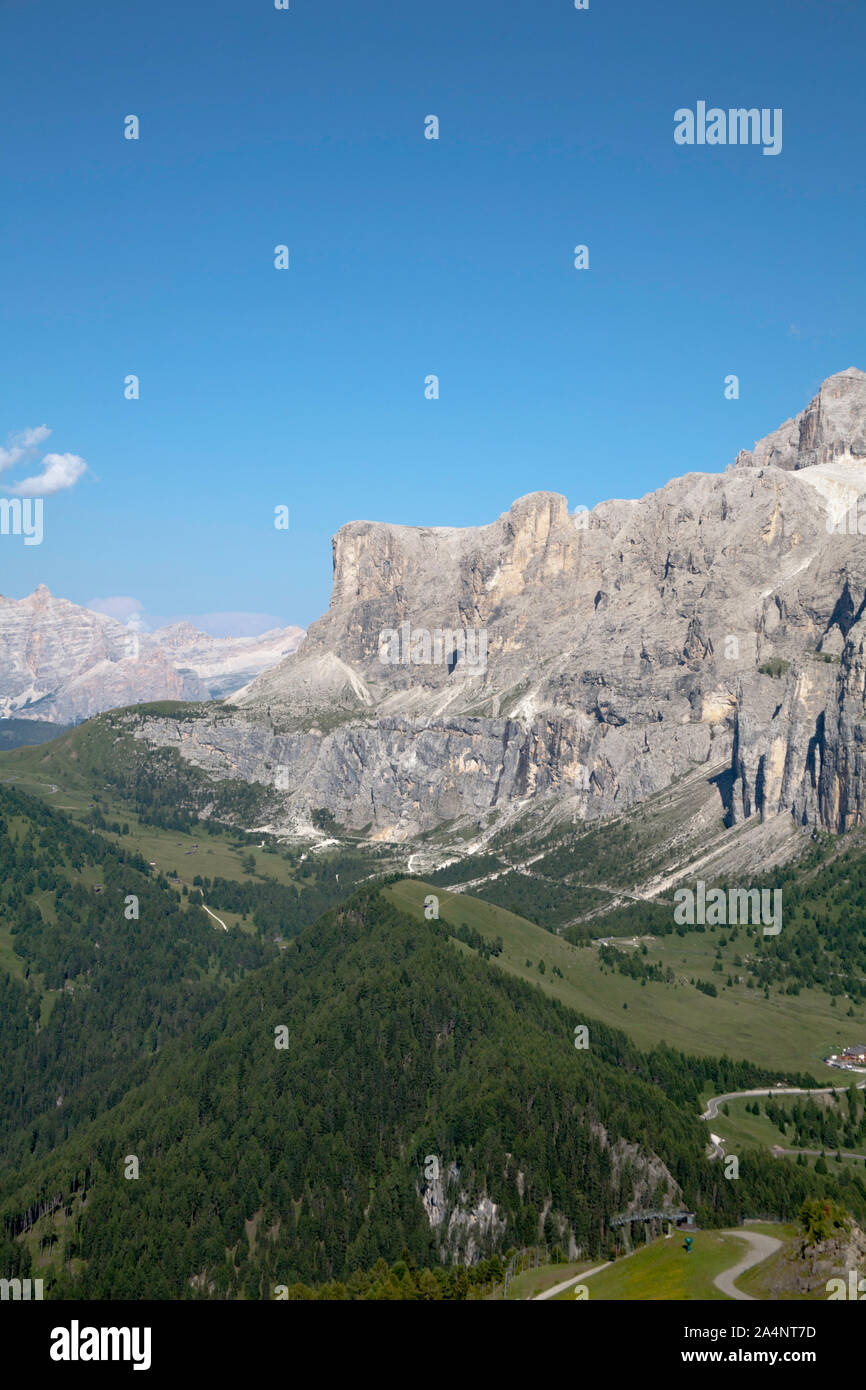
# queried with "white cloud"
point(22, 444)
point(122, 607)
point(59, 471)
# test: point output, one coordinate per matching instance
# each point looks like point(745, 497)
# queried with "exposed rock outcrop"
point(835, 1266)
point(717, 619)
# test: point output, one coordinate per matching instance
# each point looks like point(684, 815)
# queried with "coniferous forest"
point(189, 1112)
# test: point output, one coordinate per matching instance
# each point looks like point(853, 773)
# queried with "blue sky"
point(408, 257)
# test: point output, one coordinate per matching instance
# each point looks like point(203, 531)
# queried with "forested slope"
point(262, 1165)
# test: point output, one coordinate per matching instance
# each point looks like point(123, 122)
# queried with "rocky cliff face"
point(585, 661)
point(63, 663)
point(469, 1226)
point(831, 1268)
point(832, 428)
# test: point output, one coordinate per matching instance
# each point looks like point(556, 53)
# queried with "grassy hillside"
point(814, 1125)
point(664, 1272)
point(309, 1162)
point(788, 1032)
point(409, 1037)
point(785, 1034)
point(103, 755)
point(776, 1277)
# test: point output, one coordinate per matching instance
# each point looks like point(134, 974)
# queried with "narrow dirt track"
point(761, 1247)
point(567, 1283)
point(214, 916)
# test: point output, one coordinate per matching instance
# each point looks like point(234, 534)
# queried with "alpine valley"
point(349, 969)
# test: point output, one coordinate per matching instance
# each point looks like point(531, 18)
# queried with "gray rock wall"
point(624, 648)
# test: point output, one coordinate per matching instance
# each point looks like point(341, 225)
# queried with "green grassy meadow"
point(784, 1033)
point(663, 1272)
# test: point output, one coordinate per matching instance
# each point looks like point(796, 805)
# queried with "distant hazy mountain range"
point(63, 663)
point(20, 733)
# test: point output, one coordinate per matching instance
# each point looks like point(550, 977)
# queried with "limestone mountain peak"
point(830, 430)
point(715, 623)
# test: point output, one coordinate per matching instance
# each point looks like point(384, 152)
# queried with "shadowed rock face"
point(623, 649)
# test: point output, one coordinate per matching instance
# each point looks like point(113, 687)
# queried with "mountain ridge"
point(717, 618)
point(62, 662)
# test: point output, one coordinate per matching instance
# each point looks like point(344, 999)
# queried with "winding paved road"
point(761, 1247)
point(714, 1102)
point(712, 1110)
point(815, 1153)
